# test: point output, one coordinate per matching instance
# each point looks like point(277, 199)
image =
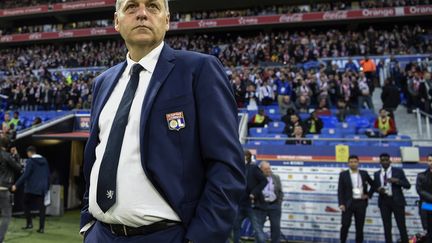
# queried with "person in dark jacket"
point(424, 189)
point(389, 182)
point(313, 124)
point(36, 183)
point(390, 95)
point(9, 166)
point(355, 187)
point(255, 183)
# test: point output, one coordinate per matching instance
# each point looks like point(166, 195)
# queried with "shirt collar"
point(388, 169)
point(148, 62)
point(36, 156)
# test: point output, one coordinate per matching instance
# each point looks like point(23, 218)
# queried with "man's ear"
point(116, 25)
point(167, 19)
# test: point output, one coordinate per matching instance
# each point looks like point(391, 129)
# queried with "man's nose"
point(142, 12)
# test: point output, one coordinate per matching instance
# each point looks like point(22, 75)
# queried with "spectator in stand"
point(323, 108)
point(259, 120)
point(294, 121)
point(239, 91)
point(313, 124)
point(266, 93)
point(251, 97)
point(413, 89)
point(390, 95)
point(36, 122)
point(385, 123)
point(351, 66)
point(369, 68)
point(425, 93)
point(365, 95)
point(6, 122)
point(16, 120)
point(298, 137)
point(283, 88)
point(286, 106)
point(302, 104)
point(342, 110)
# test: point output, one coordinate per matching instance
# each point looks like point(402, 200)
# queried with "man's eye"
point(130, 6)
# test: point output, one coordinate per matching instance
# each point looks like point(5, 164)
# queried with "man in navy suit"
point(163, 162)
point(389, 182)
point(355, 187)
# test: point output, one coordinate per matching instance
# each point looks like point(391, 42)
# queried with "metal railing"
point(423, 121)
point(380, 140)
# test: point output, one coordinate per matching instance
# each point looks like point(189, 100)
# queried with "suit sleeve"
point(403, 181)
point(27, 172)
point(341, 190)
point(372, 185)
point(262, 182)
point(86, 217)
point(222, 154)
point(422, 189)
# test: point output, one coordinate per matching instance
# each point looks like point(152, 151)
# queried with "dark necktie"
point(107, 180)
point(385, 178)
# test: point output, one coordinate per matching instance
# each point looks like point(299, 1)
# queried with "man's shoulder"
point(109, 72)
point(192, 56)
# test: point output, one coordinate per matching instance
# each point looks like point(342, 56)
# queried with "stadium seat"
point(314, 138)
point(258, 132)
point(276, 127)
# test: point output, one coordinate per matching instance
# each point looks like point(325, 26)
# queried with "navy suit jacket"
point(345, 195)
point(398, 196)
point(198, 170)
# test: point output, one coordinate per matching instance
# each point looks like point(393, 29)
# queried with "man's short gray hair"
point(119, 2)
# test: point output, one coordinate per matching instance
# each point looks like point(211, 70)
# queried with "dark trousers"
point(29, 201)
point(251, 214)
point(429, 226)
point(5, 213)
point(358, 209)
point(99, 233)
point(387, 207)
point(274, 212)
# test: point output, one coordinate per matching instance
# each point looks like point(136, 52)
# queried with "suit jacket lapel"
point(107, 86)
point(163, 68)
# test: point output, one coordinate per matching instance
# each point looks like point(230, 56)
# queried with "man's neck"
point(354, 170)
point(137, 52)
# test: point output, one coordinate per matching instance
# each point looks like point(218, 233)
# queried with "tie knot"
point(136, 69)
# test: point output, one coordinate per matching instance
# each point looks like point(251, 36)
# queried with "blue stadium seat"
point(357, 143)
point(329, 121)
point(276, 127)
point(346, 128)
point(400, 143)
point(278, 142)
point(331, 131)
point(317, 142)
point(258, 132)
point(257, 142)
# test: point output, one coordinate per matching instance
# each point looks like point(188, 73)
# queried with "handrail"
point(427, 117)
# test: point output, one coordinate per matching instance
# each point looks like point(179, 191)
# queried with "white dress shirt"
point(387, 187)
point(138, 202)
point(357, 183)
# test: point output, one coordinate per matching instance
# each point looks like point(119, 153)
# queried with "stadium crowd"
point(29, 83)
point(198, 15)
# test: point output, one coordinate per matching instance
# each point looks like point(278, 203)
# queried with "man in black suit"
point(353, 195)
point(255, 183)
point(424, 189)
point(390, 181)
